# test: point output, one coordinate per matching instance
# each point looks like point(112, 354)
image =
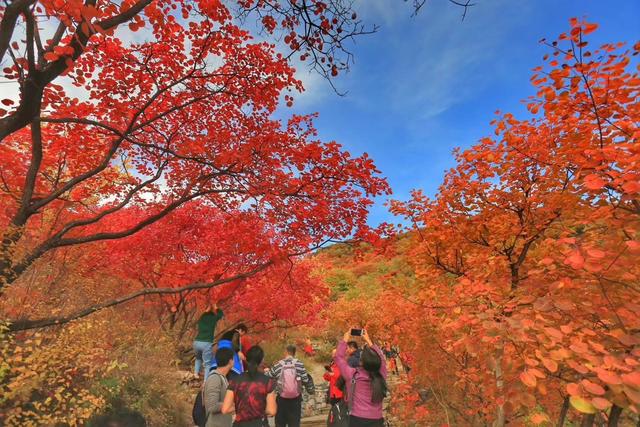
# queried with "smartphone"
point(356, 332)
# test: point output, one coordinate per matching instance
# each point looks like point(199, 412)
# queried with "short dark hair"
point(353, 344)
point(291, 349)
point(223, 356)
point(242, 327)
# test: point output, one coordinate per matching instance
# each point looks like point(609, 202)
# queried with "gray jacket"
point(214, 390)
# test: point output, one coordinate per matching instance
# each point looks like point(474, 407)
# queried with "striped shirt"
point(305, 378)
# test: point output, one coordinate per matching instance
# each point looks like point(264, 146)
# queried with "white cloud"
point(441, 54)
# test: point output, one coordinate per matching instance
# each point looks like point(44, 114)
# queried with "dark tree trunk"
point(587, 420)
point(563, 412)
point(614, 416)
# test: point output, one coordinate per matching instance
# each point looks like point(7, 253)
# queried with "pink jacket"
point(362, 406)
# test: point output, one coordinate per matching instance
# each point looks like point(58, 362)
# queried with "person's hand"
point(214, 306)
point(242, 356)
point(366, 338)
point(347, 335)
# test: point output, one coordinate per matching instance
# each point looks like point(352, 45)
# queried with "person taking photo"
point(366, 385)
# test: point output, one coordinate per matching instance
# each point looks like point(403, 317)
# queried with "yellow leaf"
point(582, 405)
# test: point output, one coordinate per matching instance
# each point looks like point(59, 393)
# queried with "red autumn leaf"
point(595, 253)
point(601, 403)
point(632, 394)
point(575, 260)
point(589, 28)
point(538, 419)
point(592, 388)
point(537, 373)
point(594, 182)
point(550, 364)
point(631, 187)
point(632, 379)
point(608, 377)
point(574, 389)
point(553, 332)
point(50, 56)
point(634, 245)
point(528, 379)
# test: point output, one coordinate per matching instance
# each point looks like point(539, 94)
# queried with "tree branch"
point(26, 324)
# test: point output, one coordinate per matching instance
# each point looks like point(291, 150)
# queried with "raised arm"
point(346, 371)
point(383, 365)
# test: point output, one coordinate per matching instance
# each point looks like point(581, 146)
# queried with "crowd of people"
point(238, 391)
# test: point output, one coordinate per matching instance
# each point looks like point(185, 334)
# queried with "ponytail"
point(372, 362)
point(378, 387)
point(254, 359)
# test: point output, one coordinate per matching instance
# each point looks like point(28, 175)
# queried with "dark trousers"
point(289, 412)
point(253, 423)
point(365, 422)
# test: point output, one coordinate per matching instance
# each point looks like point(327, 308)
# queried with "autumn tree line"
point(144, 173)
point(514, 291)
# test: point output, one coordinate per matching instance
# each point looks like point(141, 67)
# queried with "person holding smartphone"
point(366, 384)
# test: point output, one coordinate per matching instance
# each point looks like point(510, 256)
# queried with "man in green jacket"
point(203, 342)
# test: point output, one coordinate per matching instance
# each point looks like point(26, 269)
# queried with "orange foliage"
point(526, 263)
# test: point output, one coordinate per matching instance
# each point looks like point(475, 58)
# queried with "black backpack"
point(199, 413)
point(339, 413)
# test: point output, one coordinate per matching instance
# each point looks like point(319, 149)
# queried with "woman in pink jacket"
point(367, 382)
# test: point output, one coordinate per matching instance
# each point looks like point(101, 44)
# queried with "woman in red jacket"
point(331, 376)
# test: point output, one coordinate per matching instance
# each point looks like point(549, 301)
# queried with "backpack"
point(198, 413)
point(289, 381)
point(338, 415)
point(339, 412)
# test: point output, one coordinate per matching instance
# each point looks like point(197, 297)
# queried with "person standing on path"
point(251, 395)
point(366, 385)
point(215, 390)
point(332, 375)
point(291, 376)
point(203, 342)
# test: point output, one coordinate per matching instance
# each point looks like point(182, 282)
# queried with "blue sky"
point(426, 84)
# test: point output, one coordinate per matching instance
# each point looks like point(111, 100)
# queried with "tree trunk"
point(614, 416)
point(587, 420)
point(563, 412)
point(500, 417)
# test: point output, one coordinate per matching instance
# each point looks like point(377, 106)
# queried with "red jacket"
point(332, 377)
